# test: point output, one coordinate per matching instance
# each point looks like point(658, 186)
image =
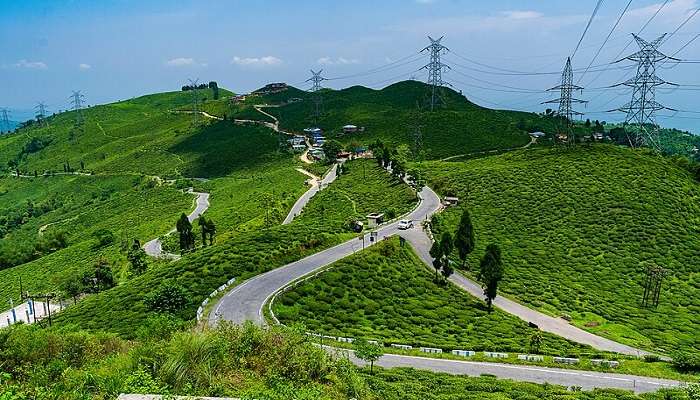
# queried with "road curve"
point(154, 248)
point(587, 380)
point(245, 301)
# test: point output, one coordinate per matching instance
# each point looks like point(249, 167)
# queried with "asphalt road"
point(245, 301)
point(557, 376)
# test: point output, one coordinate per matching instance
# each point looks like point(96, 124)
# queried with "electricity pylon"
point(77, 100)
point(566, 100)
point(195, 100)
point(435, 68)
point(641, 110)
point(316, 80)
point(41, 114)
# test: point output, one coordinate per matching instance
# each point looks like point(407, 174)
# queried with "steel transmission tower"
point(195, 100)
point(41, 113)
point(435, 68)
point(316, 80)
point(641, 110)
point(5, 119)
point(566, 100)
point(77, 100)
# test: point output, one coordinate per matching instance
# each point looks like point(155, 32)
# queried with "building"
point(537, 135)
point(296, 140)
point(598, 135)
point(298, 148)
point(375, 219)
point(238, 99)
point(350, 129)
point(450, 201)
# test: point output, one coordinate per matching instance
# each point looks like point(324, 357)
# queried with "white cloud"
point(337, 61)
point(30, 64)
point(265, 61)
point(84, 67)
point(184, 62)
point(672, 14)
point(515, 14)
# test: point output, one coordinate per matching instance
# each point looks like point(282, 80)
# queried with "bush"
point(169, 297)
point(687, 362)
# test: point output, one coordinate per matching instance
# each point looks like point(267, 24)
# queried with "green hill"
point(578, 228)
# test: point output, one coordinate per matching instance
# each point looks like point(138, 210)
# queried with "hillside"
point(577, 230)
point(386, 293)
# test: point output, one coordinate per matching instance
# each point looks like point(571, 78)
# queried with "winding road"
point(246, 302)
point(154, 248)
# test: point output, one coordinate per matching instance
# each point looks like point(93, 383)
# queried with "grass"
point(81, 206)
point(386, 293)
point(577, 229)
point(233, 361)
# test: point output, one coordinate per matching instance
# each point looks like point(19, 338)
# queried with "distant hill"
point(13, 126)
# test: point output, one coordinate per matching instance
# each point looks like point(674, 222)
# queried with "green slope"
point(387, 293)
point(577, 229)
point(457, 128)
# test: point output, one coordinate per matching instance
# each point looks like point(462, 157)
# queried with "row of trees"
point(187, 240)
point(490, 269)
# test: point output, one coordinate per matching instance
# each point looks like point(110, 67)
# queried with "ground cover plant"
point(245, 361)
point(578, 228)
point(386, 293)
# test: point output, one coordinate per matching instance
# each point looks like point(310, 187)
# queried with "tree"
point(491, 273)
point(215, 89)
point(100, 279)
point(72, 288)
point(331, 149)
point(464, 237)
point(367, 352)
point(436, 254)
point(184, 228)
point(208, 230)
point(137, 258)
point(446, 246)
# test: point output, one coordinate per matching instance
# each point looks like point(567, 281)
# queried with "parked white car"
point(405, 224)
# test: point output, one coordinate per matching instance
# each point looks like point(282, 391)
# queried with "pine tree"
point(491, 273)
point(464, 237)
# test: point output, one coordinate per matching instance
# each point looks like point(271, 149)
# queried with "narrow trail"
point(317, 184)
point(154, 248)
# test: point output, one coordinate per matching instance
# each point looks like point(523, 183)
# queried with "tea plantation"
point(387, 293)
point(578, 229)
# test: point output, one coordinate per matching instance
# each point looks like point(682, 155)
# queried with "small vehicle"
point(405, 224)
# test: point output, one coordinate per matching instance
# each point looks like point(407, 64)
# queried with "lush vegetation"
point(390, 115)
point(361, 188)
point(239, 254)
point(578, 228)
point(241, 361)
point(387, 293)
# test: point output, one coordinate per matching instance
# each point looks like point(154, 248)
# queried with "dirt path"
point(530, 143)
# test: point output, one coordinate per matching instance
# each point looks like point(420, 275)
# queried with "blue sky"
point(114, 50)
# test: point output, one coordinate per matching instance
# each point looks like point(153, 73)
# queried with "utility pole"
point(566, 100)
point(41, 114)
point(195, 100)
point(641, 110)
point(316, 80)
point(77, 101)
point(5, 119)
point(435, 68)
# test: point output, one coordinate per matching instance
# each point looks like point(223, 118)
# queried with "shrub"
point(169, 297)
point(687, 362)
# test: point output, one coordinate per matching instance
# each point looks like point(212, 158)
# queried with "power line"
point(588, 25)
point(392, 65)
point(315, 90)
point(606, 41)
